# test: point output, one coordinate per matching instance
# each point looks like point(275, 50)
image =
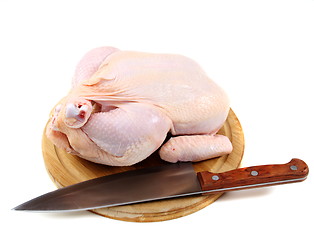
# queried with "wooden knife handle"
point(252, 177)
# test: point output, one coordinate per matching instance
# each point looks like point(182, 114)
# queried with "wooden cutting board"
point(65, 169)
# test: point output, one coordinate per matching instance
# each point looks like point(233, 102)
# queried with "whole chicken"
point(123, 104)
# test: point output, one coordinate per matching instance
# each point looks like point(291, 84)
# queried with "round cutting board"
point(65, 169)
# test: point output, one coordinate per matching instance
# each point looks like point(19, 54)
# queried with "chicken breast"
point(123, 104)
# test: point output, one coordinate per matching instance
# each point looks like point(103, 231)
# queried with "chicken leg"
point(195, 148)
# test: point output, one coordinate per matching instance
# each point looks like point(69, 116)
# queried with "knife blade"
point(162, 182)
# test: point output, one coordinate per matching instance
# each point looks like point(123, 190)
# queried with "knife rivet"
point(254, 173)
point(293, 167)
point(215, 177)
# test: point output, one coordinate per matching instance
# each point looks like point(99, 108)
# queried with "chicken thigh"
point(123, 104)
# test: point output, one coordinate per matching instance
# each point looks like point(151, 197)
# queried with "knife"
point(162, 182)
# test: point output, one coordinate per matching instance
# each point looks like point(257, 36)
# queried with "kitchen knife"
point(163, 182)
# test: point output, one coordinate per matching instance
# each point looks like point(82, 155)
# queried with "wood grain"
point(65, 169)
point(255, 176)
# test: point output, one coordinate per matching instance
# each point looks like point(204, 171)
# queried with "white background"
point(260, 52)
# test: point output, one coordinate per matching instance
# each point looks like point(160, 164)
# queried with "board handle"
point(253, 177)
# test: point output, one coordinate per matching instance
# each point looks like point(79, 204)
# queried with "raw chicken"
point(122, 105)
